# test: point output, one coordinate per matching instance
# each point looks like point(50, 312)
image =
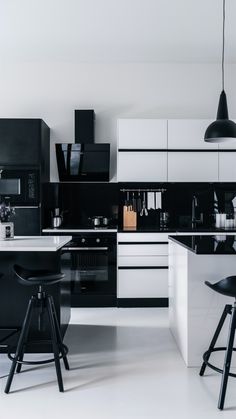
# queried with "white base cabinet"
point(142, 265)
point(143, 283)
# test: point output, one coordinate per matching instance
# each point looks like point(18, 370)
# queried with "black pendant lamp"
point(223, 129)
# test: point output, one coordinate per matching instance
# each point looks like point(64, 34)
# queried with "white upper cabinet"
point(146, 166)
point(187, 166)
point(227, 166)
point(188, 134)
point(229, 144)
point(142, 133)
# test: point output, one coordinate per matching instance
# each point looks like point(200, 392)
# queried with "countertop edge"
point(54, 247)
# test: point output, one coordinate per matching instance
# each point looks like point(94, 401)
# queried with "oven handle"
point(71, 249)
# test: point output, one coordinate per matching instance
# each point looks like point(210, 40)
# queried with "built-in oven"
point(89, 260)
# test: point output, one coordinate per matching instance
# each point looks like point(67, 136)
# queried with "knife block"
point(129, 218)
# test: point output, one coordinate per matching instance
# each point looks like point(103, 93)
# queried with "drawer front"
point(143, 261)
point(143, 237)
point(142, 249)
point(142, 283)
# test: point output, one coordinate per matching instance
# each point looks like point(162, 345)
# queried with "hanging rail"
point(143, 190)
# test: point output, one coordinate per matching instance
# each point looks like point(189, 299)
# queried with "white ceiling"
point(116, 30)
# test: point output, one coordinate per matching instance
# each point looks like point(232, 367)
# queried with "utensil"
point(145, 204)
point(139, 203)
point(128, 203)
point(134, 203)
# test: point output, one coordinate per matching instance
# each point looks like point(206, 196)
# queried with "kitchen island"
point(194, 309)
point(34, 252)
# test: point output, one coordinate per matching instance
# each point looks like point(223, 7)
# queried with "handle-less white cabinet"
point(138, 166)
point(188, 134)
point(142, 266)
point(187, 166)
point(142, 134)
point(143, 283)
point(227, 166)
point(143, 162)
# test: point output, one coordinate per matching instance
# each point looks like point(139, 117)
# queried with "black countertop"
point(199, 230)
point(208, 245)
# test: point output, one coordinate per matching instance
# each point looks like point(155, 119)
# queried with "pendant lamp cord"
point(223, 48)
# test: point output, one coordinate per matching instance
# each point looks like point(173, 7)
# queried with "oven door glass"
point(89, 271)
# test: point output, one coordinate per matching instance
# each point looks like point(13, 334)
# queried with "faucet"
point(194, 207)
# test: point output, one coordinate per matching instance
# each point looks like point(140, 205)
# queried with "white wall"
point(53, 90)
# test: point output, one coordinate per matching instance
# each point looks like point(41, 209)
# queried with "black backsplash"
point(79, 201)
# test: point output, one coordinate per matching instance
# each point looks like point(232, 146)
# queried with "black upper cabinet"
point(25, 142)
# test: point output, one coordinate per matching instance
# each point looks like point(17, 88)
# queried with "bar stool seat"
point(226, 286)
point(42, 302)
point(37, 277)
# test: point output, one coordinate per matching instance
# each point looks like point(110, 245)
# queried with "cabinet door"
point(227, 166)
point(142, 283)
point(142, 133)
point(188, 134)
point(143, 261)
point(143, 249)
point(20, 141)
point(138, 166)
point(192, 166)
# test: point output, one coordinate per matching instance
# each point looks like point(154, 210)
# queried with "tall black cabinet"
point(25, 154)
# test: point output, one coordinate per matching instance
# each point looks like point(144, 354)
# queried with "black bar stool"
point(42, 302)
point(227, 287)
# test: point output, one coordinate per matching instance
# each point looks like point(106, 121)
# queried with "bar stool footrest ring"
point(44, 361)
point(213, 367)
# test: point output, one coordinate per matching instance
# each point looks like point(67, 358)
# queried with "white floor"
point(124, 364)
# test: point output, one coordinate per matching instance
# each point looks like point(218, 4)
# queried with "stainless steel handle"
point(84, 248)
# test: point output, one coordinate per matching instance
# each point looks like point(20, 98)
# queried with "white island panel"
point(195, 309)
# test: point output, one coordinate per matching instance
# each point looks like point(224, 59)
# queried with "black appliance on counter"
point(89, 261)
point(83, 160)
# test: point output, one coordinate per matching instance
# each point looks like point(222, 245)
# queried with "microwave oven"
point(26, 181)
point(83, 162)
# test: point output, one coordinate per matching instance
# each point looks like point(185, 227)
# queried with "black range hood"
point(83, 160)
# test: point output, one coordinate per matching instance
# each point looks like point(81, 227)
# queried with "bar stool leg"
point(21, 356)
point(227, 310)
point(54, 344)
point(20, 345)
point(228, 357)
point(59, 337)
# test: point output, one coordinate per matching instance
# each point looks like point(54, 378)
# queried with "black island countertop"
point(208, 245)
point(210, 230)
